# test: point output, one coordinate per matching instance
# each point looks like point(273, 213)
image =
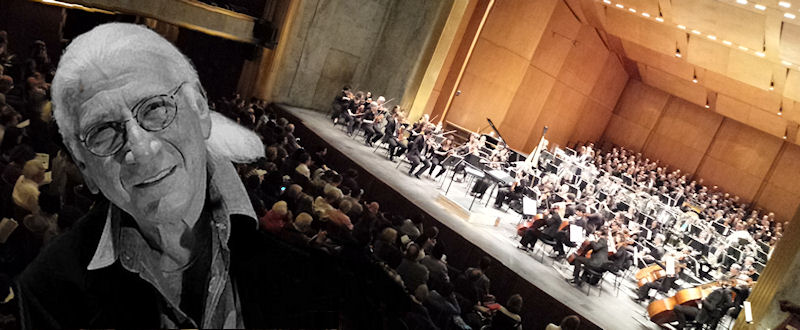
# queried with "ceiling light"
point(632, 10)
point(660, 19)
point(760, 54)
point(619, 5)
point(784, 4)
point(694, 76)
point(743, 48)
point(607, 1)
point(772, 87)
point(784, 137)
point(789, 15)
point(645, 14)
point(786, 63)
point(707, 105)
point(712, 37)
point(682, 27)
point(696, 32)
point(741, 2)
point(727, 43)
point(760, 7)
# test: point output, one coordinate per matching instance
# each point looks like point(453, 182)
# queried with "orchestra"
point(612, 211)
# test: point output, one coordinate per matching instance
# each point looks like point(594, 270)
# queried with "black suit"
point(549, 231)
point(714, 307)
point(416, 150)
point(598, 259)
point(388, 130)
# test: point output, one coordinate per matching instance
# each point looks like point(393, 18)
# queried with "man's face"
point(156, 176)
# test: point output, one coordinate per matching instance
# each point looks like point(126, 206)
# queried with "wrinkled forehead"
point(111, 89)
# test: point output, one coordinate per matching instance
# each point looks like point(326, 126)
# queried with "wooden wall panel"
point(490, 81)
point(517, 25)
point(682, 135)
point(641, 104)
point(592, 122)
point(782, 191)
point(557, 41)
point(560, 113)
point(626, 133)
point(585, 61)
point(525, 108)
point(610, 83)
point(739, 158)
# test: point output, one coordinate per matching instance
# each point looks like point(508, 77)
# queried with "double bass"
point(663, 311)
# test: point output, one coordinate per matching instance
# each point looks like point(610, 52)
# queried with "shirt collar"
point(224, 187)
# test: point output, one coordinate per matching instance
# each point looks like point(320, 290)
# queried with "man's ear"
point(204, 114)
point(87, 178)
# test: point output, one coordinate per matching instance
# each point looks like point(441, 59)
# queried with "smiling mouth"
point(156, 178)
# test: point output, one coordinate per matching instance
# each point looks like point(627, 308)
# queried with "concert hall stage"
point(471, 234)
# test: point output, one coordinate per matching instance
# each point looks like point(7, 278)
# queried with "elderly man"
point(176, 242)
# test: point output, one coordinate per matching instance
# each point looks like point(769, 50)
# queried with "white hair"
point(109, 48)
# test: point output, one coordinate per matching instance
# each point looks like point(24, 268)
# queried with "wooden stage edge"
point(471, 235)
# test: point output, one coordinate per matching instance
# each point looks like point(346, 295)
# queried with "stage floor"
point(478, 226)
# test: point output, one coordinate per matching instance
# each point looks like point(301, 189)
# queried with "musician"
point(439, 154)
point(513, 192)
point(368, 122)
point(662, 284)
point(473, 148)
point(597, 260)
point(714, 307)
point(354, 112)
point(417, 149)
point(549, 229)
point(499, 156)
point(340, 103)
point(396, 136)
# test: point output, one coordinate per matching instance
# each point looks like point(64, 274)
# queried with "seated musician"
point(439, 154)
point(396, 136)
point(354, 112)
point(497, 159)
point(340, 103)
point(367, 122)
point(473, 149)
point(513, 192)
point(417, 150)
point(662, 284)
point(714, 306)
point(596, 262)
point(389, 126)
point(549, 230)
point(622, 258)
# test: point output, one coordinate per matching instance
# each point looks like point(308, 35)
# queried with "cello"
point(663, 310)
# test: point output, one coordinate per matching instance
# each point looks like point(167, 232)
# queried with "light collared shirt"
point(225, 196)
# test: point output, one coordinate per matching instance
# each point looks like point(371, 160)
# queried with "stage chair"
point(542, 248)
point(589, 273)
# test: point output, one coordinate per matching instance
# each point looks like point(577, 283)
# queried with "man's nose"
point(142, 145)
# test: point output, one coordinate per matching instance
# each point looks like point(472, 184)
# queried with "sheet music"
point(575, 234)
point(670, 266)
point(528, 206)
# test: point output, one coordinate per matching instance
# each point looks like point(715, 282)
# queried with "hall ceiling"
point(742, 58)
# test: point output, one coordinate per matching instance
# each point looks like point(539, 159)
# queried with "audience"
point(330, 207)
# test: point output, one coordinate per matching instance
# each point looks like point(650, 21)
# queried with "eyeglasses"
point(153, 114)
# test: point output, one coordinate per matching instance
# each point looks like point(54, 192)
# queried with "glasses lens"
point(157, 113)
point(104, 140)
